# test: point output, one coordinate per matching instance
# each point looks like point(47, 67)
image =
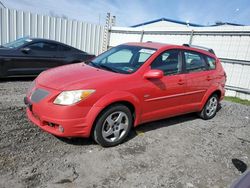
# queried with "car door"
point(34, 58)
point(66, 54)
point(198, 77)
point(16, 63)
point(42, 56)
point(164, 97)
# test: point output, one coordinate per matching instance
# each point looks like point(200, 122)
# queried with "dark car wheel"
point(3, 71)
point(210, 108)
point(113, 125)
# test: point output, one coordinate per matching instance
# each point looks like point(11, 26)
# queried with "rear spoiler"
point(200, 47)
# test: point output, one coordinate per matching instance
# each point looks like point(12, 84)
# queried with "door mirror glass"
point(153, 74)
point(25, 50)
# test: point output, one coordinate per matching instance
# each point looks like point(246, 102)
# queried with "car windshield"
point(17, 43)
point(123, 59)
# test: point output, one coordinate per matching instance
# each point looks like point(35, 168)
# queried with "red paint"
point(153, 95)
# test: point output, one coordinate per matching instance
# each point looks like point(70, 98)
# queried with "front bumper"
point(60, 127)
point(62, 121)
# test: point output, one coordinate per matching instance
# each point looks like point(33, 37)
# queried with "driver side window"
point(169, 62)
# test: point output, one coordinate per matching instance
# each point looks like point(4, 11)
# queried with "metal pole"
point(106, 33)
point(142, 33)
point(191, 37)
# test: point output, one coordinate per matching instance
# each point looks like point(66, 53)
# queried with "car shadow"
point(17, 79)
point(77, 141)
point(142, 128)
point(167, 122)
point(151, 126)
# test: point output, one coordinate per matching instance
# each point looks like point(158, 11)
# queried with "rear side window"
point(211, 63)
point(43, 46)
point(194, 62)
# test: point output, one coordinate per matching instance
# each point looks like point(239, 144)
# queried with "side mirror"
point(153, 74)
point(26, 50)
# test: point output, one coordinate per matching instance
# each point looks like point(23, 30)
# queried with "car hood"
point(74, 76)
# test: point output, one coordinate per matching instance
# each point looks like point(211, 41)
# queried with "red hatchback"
point(127, 85)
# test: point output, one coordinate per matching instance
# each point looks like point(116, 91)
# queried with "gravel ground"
point(184, 151)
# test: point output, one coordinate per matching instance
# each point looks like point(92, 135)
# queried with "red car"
point(126, 86)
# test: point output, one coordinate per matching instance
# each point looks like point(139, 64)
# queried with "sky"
point(132, 12)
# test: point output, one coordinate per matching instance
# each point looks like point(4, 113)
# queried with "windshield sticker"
point(127, 69)
point(147, 51)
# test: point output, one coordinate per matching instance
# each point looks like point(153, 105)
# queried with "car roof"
point(157, 45)
point(149, 44)
point(53, 41)
point(47, 40)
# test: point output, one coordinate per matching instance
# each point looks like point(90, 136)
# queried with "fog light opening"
point(60, 128)
point(51, 124)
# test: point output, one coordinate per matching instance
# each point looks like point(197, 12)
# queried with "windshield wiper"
point(102, 66)
point(108, 68)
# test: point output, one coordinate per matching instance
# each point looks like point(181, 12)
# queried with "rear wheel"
point(210, 108)
point(113, 125)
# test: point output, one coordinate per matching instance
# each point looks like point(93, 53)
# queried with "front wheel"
point(210, 108)
point(113, 125)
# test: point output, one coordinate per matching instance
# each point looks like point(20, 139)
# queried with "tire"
point(210, 108)
point(113, 125)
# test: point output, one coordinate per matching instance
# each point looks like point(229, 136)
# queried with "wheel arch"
point(209, 93)
point(128, 104)
point(218, 93)
point(118, 97)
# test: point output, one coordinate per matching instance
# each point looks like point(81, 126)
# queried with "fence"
point(84, 36)
point(231, 45)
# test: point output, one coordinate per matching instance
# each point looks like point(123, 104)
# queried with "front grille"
point(38, 95)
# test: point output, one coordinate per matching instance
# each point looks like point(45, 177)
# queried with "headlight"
point(72, 97)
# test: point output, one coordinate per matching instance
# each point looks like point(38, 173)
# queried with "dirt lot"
point(179, 152)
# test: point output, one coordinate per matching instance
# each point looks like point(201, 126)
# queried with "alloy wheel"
point(115, 126)
point(211, 106)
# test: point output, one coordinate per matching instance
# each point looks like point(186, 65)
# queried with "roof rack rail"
point(200, 47)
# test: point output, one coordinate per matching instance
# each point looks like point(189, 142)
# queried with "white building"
point(231, 43)
point(164, 23)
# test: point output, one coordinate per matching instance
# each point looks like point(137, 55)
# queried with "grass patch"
point(237, 100)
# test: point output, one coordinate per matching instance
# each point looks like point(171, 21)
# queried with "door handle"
point(181, 82)
point(209, 78)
